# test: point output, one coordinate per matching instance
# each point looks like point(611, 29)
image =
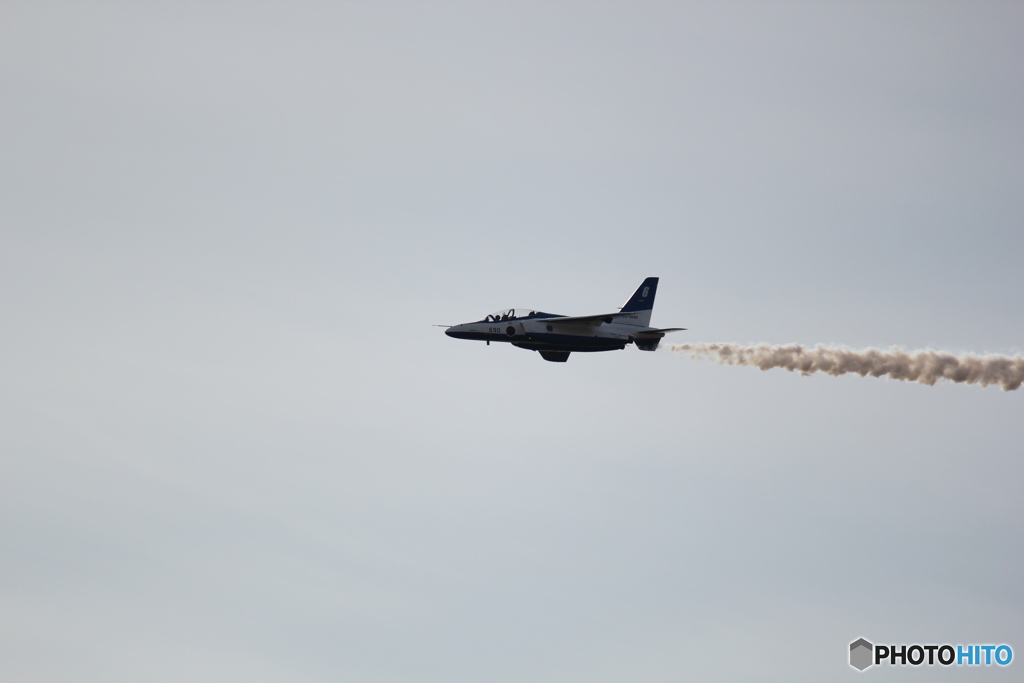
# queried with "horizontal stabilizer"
point(659, 331)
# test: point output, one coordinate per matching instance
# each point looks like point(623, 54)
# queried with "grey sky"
point(232, 447)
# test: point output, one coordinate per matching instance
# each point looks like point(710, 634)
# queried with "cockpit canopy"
point(515, 314)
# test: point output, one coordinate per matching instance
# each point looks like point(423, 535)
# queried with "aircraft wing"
point(594, 320)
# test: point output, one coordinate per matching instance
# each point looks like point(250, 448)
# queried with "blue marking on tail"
point(643, 297)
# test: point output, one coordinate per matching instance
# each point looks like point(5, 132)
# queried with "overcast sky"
point(234, 448)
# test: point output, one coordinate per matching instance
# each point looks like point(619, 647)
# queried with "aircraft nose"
point(455, 332)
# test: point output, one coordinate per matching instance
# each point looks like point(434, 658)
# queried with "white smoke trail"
point(926, 367)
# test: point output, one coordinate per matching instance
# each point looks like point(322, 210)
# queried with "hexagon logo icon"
point(860, 654)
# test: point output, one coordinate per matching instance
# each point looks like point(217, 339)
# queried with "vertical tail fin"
point(642, 302)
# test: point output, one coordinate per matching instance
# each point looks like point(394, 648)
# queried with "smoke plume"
point(925, 367)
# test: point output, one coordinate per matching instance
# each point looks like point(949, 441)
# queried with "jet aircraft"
point(556, 336)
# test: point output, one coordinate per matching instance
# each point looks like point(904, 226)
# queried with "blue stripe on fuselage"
point(541, 340)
